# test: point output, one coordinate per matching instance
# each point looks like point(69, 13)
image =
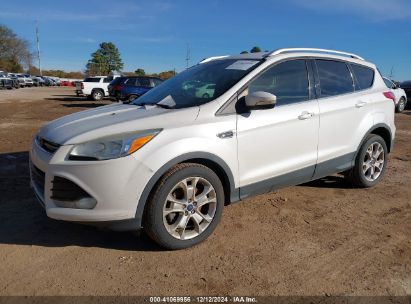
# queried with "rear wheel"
point(131, 98)
point(370, 162)
point(185, 207)
point(401, 105)
point(97, 95)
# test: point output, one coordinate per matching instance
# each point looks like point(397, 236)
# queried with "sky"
point(154, 34)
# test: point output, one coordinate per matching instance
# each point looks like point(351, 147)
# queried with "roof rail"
point(289, 50)
point(212, 58)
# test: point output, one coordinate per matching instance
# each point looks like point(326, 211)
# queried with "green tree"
point(140, 72)
point(105, 60)
point(14, 52)
point(255, 49)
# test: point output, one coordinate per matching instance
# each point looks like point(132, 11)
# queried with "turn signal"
point(139, 142)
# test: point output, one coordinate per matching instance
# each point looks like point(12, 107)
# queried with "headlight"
point(112, 146)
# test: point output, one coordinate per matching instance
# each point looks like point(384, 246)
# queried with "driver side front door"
point(278, 146)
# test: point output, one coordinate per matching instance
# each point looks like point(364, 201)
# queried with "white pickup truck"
point(95, 87)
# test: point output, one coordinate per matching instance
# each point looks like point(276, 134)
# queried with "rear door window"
point(92, 79)
point(144, 82)
point(335, 78)
point(157, 82)
point(364, 76)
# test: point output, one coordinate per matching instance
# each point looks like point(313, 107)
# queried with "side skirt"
point(301, 176)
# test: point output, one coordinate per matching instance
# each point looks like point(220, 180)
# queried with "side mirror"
point(260, 99)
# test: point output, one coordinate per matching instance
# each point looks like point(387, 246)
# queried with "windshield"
point(198, 84)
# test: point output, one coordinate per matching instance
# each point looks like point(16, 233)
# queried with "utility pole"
point(38, 46)
point(188, 56)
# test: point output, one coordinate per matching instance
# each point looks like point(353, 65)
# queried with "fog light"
point(83, 203)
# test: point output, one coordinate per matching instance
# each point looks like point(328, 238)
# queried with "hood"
point(113, 119)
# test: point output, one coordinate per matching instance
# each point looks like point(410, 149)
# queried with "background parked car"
point(28, 82)
point(38, 81)
point(134, 86)
point(56, 80)
point(406, 86)
point(399, 93)
point(115, 87)
point(15, 80)
point(205, 91)
point(6, 82)
point(48, 81)
point(95, 88)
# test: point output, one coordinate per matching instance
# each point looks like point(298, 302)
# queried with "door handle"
point(360, 104)
point(227, 134)
point(305, 115)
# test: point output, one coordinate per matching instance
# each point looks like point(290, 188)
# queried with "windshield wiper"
point(164, 106)
point(160, 105)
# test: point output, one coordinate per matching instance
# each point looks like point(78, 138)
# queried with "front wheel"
point(185, 207)
point(370, 162)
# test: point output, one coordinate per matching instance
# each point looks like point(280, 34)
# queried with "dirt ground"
point(314, 239)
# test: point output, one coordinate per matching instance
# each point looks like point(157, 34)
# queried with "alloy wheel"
point(374, 160)
point(189, 208)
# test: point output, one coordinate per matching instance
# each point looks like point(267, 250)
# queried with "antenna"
point(392, 72)
point(38, 46)
point(188, 56)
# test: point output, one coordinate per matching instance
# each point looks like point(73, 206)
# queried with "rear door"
point(343, 114)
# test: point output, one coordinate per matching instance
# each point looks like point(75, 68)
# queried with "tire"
point(97, 95)
point(401, 105)
point(190, 223)
point(131, 98)
point(371, 157)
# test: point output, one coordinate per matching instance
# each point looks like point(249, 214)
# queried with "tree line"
point(16, 56)
point(107, 59)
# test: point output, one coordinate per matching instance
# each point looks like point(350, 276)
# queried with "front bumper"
point(115, 184)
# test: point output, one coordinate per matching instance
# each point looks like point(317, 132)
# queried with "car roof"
point(135, 76)
point(296, 52)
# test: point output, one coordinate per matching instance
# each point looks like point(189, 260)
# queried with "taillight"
point(82, 85)
point(390, 95)
point(117, 88)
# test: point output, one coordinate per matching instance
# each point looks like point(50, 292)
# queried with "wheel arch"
point(382, 130)
point(209, 160)
point(98, 89)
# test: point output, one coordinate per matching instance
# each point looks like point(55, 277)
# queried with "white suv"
point(173, 158)
point(399, 95)
point(95, 88)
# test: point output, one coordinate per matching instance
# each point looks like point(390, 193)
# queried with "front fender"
point(234, 192)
